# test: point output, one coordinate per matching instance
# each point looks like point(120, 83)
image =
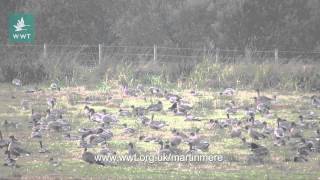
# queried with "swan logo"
point(21, 28)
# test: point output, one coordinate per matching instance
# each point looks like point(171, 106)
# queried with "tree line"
point(228, 24)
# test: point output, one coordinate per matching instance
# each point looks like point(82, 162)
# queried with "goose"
point(254, 134)
point(154, 124)
point(228, 92)
point(263, 108)
point(128, 130)
point(192, 150)
point(255, 123)
point(155, 107)
point(266, 129)
point(155, 91)
point(294, 131)
point(259, 150)
point(203, 145)
point(3, 142)
point(171, 97)
point(95, 139)
point(213, 124)
point(123, 112)
point(190, 117)
point(100, 136)
point(145, 120)
point(25, 104)
point(10, 162)
point(236, 131)
point(87, 111)
point(15, 149)
point(51, 115)
point(164, 149)
point(54, 162)
point(7, 124)
point(157, 124)
point(317, 132)
point(107, 151)
point(195, 93)
point(51, 102)
point(249, 112)
point(176, 139)
point(231, 108)
point(54, 87)
point(176, 112)
point(259, 153)
point(181, 134)
point(70, 137)
point(299, 158)
point(130, 92)
point(37, 135)
point(174, 106)
point(83, 143)
point(102, 118)
point(35, 115)
point(184, 106)
point(284, 124)
point(138, 111)
point(278, 131)
point(264, 99)
point(90, 157)
point(17, 82)
point(303, 124)
point(305, 148)
point(149, 138)
point(315, 101)
point(140, 88)
point(193, 138)
point(59, 125)
point(131, 150)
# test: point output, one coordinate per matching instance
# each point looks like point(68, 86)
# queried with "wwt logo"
point(21, 28)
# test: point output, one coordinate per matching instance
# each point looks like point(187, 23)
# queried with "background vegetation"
point(243, 25)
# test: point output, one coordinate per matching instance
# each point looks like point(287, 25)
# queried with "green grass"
point(210, 105)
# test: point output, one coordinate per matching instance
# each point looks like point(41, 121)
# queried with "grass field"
point(208, 104)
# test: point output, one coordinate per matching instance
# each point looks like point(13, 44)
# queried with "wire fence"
point(92, 55)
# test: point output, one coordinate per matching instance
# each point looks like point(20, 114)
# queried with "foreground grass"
point(69, 155)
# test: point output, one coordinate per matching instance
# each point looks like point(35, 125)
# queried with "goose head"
point(228, 116)
point(278, 122)
point(130, 145)
point(141, 137)
point(99, 131)
point(91, 112)
point(258, 92)
point(12, 138)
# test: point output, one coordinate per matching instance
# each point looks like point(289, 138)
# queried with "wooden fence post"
point(99, 48)
point(276, 55)
point(44, 50)
point(155, 52)
point(217, 55)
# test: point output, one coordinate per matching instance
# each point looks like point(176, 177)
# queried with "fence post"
point(44, 50)
point(99, 48)
point(276, 55)
point(154, 52)
point(217, 55)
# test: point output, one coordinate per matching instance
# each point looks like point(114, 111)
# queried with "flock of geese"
point(249, 130)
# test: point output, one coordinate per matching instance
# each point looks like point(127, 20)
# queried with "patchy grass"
point(209, 105)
